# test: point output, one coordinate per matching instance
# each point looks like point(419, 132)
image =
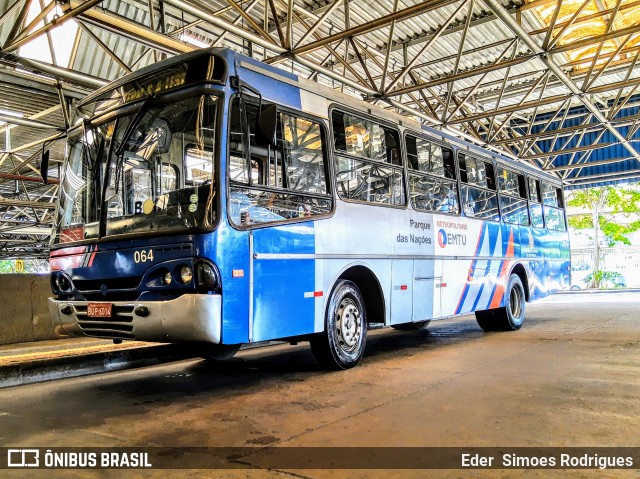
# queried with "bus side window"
point(431, 171)
point(522, 188)
point(412, 153)
point(392, 147)
point(238, 170)
point(490, 177)
point(449, 164)
point(241, 170)
point(513, 197)
point(339, 135)
point(553, 207)
point(368, 160)
point(364, 138)
point(511, 183)
point(261, 165)
point(478, 195)
point(278, 182)
point(302, 143)
point(429, 157)
point(549, 195)
point(462, 166)
point(534, 190)
point(476, 172)
point(560, 198)
point(535, 208)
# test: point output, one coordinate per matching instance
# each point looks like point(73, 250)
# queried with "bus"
point(215, 200)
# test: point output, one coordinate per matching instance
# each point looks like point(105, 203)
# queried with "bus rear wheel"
point(511, 316)
point(342, 343)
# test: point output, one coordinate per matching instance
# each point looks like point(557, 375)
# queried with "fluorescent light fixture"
point(10, 113)
point(195, 41)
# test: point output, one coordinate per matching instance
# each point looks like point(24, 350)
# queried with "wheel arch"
point(370, 289)
point(521, 271)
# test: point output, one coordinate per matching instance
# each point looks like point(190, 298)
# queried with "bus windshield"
point(149, 170)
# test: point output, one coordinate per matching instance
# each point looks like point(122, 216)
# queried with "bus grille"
point(130, 282)
point(118, 326)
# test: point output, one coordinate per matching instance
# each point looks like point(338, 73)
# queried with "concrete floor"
point(570, 377)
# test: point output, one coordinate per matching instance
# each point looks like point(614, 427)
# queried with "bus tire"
point(488, 320)
point(342, 343)
point(214, 353)
point(511, 316)
point(417, 326)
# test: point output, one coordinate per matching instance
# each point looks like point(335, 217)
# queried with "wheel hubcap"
point(348, 325)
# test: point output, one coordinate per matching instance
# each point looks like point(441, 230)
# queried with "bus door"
point(283, 286)
point(427, 284)
point(278, 180)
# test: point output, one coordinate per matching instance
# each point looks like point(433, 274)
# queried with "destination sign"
point(154, 85)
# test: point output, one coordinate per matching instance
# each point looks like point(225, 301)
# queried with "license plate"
point(99, 310)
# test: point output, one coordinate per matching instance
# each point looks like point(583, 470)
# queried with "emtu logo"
point(442, 238)
point(453, 239)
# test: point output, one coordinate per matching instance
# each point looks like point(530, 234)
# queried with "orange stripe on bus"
point(497, 297)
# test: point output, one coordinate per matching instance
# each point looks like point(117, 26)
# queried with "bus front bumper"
point(191, 317)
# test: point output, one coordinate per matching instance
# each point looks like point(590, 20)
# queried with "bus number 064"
point(143, 256)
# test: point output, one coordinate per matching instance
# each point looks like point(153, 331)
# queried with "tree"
point(608, 207)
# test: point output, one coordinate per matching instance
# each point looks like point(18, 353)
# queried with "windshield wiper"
point(133, 123)
point(119, 153)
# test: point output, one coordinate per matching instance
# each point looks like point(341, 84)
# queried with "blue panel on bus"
point(123, 265)
point(273, 90)
point(233, 263)
point(284, 281)
point(487, 279)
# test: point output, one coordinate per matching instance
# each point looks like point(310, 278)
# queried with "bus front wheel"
point(342, 343)
point(511, 316)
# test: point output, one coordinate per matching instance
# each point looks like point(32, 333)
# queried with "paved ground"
point(568, 378)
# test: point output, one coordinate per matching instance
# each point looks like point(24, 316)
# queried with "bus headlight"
point(207, 276)
point(167, 278)
point(186, 274)
point(62, 283)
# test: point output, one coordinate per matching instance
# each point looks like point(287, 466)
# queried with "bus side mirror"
point(266, 125)
point(44, 166)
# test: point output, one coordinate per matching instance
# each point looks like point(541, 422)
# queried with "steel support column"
point(58, 72)
point(26, 122)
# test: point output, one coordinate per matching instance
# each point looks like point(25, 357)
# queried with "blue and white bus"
point(215, 200)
